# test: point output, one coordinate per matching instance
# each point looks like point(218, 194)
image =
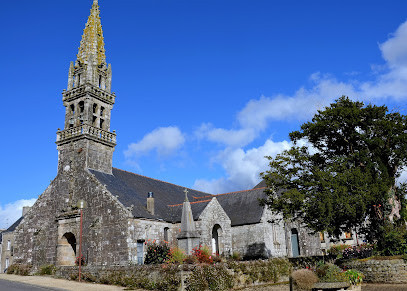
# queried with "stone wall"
point(381, 271)
point(105, 222)
point(213, 215)
point(7, 249)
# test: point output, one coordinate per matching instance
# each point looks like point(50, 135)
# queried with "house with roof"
point(106, 215)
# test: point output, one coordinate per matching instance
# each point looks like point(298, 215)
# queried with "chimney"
point(150, 202)
point(26, 209)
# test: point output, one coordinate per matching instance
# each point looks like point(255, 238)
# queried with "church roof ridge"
point(195, 202)
point(92, 44)
point(236, 192)
point(163, 182)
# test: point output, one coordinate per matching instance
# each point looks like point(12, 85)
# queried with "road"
point(6, 285)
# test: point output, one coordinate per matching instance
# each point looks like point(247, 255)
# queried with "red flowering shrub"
point(203, 254)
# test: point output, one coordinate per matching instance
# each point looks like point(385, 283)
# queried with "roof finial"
point(186, 195)
point(92, 43)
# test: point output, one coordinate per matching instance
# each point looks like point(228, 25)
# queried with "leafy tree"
point(344, 177)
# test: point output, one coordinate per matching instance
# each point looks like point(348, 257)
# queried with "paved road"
point(6, 285)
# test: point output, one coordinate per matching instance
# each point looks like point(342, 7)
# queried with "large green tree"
point(344, 176)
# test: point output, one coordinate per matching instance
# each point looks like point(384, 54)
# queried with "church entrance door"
point(295, 246)
point(66, 251)
point(216, 233)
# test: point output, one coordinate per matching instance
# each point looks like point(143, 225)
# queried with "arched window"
point(166, 230)
point(295, 246)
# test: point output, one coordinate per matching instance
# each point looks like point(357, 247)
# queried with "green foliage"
point(209, 277)
point(354, 277)
point(348, 174)
point(47, 270)
point(19, 269)
point(393, 240)
point(236, 256)
point(157, 253)
point(337, 250)
point(330, 273)
point(176, 256)
point(261, 271)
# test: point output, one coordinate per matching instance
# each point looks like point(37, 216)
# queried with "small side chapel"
point(124, 210)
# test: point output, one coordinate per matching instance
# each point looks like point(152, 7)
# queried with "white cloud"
point(9, 213)
point(228, 137)
point(242, 167)
point(164, 140)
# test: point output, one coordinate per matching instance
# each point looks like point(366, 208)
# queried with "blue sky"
point(205, 89)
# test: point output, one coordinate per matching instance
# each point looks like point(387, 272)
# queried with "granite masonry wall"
point(381, 271)
point(105, 222)
point(213, 215)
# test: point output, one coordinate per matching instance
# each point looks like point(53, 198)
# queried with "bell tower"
point(86, 140)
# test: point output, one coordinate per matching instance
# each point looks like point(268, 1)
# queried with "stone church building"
point(124, 210)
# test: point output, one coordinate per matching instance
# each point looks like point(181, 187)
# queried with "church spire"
point(92, 46)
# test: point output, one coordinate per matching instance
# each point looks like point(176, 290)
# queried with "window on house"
point(166, 234)
point(8, 245)
point(81, 106)
point(95, 107)
point(321, 237)
point(102, 109)
point(101, 123)
point(348, 235)
point(100, 81)
point(7, 262)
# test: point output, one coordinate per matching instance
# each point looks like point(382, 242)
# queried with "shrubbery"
point(19, 269)
point(157, 253)
point(304, 279)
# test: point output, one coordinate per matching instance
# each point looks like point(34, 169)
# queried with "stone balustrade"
point(94, 91)
point(84, 129)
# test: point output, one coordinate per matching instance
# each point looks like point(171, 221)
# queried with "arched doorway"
point(295, 246)
point(66, 252)
point(216, 234)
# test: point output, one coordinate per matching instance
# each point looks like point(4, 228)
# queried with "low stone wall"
point(241, 274)
point(381, 271)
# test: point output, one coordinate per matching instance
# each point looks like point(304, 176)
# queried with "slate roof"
point(132, 189)
point(242, 207)
point(14, 225)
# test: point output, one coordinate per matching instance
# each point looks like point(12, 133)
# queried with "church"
point(116, 212)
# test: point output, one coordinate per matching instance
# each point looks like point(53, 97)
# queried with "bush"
point(191, 259)
point(330, 273)
point(47, 270)
point(209, 277)
point(236, 256)
point(304, 279)
point(203, 254)
point(354, 277)
point(176, 256)
point(337, 250)
point(157, 253)
point(393, 240)
point(358, 252)
point(19, 269)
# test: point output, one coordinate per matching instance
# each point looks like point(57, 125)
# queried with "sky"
point(205, 88)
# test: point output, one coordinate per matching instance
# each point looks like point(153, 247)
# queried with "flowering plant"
point(203, 254)
point(157, 253)
point(354, 277)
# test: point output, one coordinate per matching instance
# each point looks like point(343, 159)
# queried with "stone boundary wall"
point(97, 272)
point(381, 271)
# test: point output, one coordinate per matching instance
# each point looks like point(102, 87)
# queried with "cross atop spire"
point(92, 44)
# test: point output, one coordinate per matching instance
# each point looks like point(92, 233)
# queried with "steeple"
point(92, 44)
point(88, 101)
